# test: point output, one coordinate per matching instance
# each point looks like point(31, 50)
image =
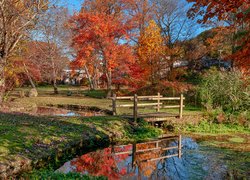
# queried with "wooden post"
point(181, 106)
point(114, 104)
point(158, 101)
point(179, 147)
point(133, 155)
point(135, 107)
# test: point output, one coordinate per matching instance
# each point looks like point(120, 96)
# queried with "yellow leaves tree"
point(17, 17)
point(151, 52)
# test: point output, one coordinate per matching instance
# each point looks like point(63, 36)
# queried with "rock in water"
point(33, 93)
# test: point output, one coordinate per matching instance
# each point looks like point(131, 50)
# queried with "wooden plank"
point(138, 105)
point(167, 98)
point(125, 97)
point(158, 101)
point(157, 120)
point(181, 106)
point(149, 97)
point(169, 148)
point(135, 107)
point(179, 147)
point(125, 105)
point(163, 157)
point(146, 150)
point(172, 106)
point(125, 152)
point(148, 104)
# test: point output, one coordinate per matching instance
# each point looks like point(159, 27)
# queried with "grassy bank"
point(230, 136)
point(82, 97)
point(29, 141)
point(214, 128)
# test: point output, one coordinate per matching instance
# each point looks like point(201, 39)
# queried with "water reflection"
point(141, 160)
point(49, 111)
point(153, 160)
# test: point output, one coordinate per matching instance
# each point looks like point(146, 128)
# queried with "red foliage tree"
point(100, 30)
point(237, 14)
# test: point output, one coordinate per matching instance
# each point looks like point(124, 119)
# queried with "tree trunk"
point(91, 83)
point(55, 87)
point(2, 79)
point(54, 76)
point(29, 77)
point(2, 88)
point(109, 84)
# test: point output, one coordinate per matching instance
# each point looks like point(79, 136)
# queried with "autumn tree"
point(141, 11)
point(235, 12)
point(151, 52)
point(171, 17)
point(100, 30)
point(220, 44)
point(214, 43)
point(19, 71)
point(16, 17)
point(39, 53)
point(175, 26)
point(52, 30)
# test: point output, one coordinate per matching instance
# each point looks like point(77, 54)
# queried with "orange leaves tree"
point(100, 31)
point(16, 17)
point(237, 15)
point(151, 51)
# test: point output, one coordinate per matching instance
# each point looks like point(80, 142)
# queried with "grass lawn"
point(81, 96)
point(26, 140)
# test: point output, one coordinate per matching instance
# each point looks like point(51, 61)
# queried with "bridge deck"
point(154, 117)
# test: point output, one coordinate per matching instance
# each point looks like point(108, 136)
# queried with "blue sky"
point(73, 5)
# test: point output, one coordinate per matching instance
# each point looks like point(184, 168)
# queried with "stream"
point(152, 160)
point(52, 111)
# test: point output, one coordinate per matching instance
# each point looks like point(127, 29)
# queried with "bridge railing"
point(157, 104)
point(134, 151)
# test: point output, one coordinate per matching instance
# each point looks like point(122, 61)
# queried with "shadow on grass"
point(35, 137)
point(47, 140)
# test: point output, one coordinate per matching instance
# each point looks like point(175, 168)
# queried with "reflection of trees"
point(143, 160)
point(102, 163)
point(145, 167)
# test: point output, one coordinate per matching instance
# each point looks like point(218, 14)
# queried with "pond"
point(152, 160)
point(52, 111)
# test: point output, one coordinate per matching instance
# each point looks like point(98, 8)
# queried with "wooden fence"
point(157, 104)
point(134, 151)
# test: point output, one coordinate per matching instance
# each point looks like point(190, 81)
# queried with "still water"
point(49, 111)
point(153, 160)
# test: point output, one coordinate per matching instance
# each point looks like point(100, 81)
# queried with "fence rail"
point(156, 105)
point(134, 151)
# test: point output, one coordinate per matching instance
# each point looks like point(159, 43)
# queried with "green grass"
point(51, 175)
point(85, 98)
point(25, 138)
point(207, 127)
point(100, 94)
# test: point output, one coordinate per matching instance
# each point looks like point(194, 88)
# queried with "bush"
point(226, 90)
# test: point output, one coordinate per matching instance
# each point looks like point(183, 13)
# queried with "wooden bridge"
point(156, 147)
point(156, 102)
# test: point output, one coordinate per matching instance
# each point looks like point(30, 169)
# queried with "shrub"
point(226, 90)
